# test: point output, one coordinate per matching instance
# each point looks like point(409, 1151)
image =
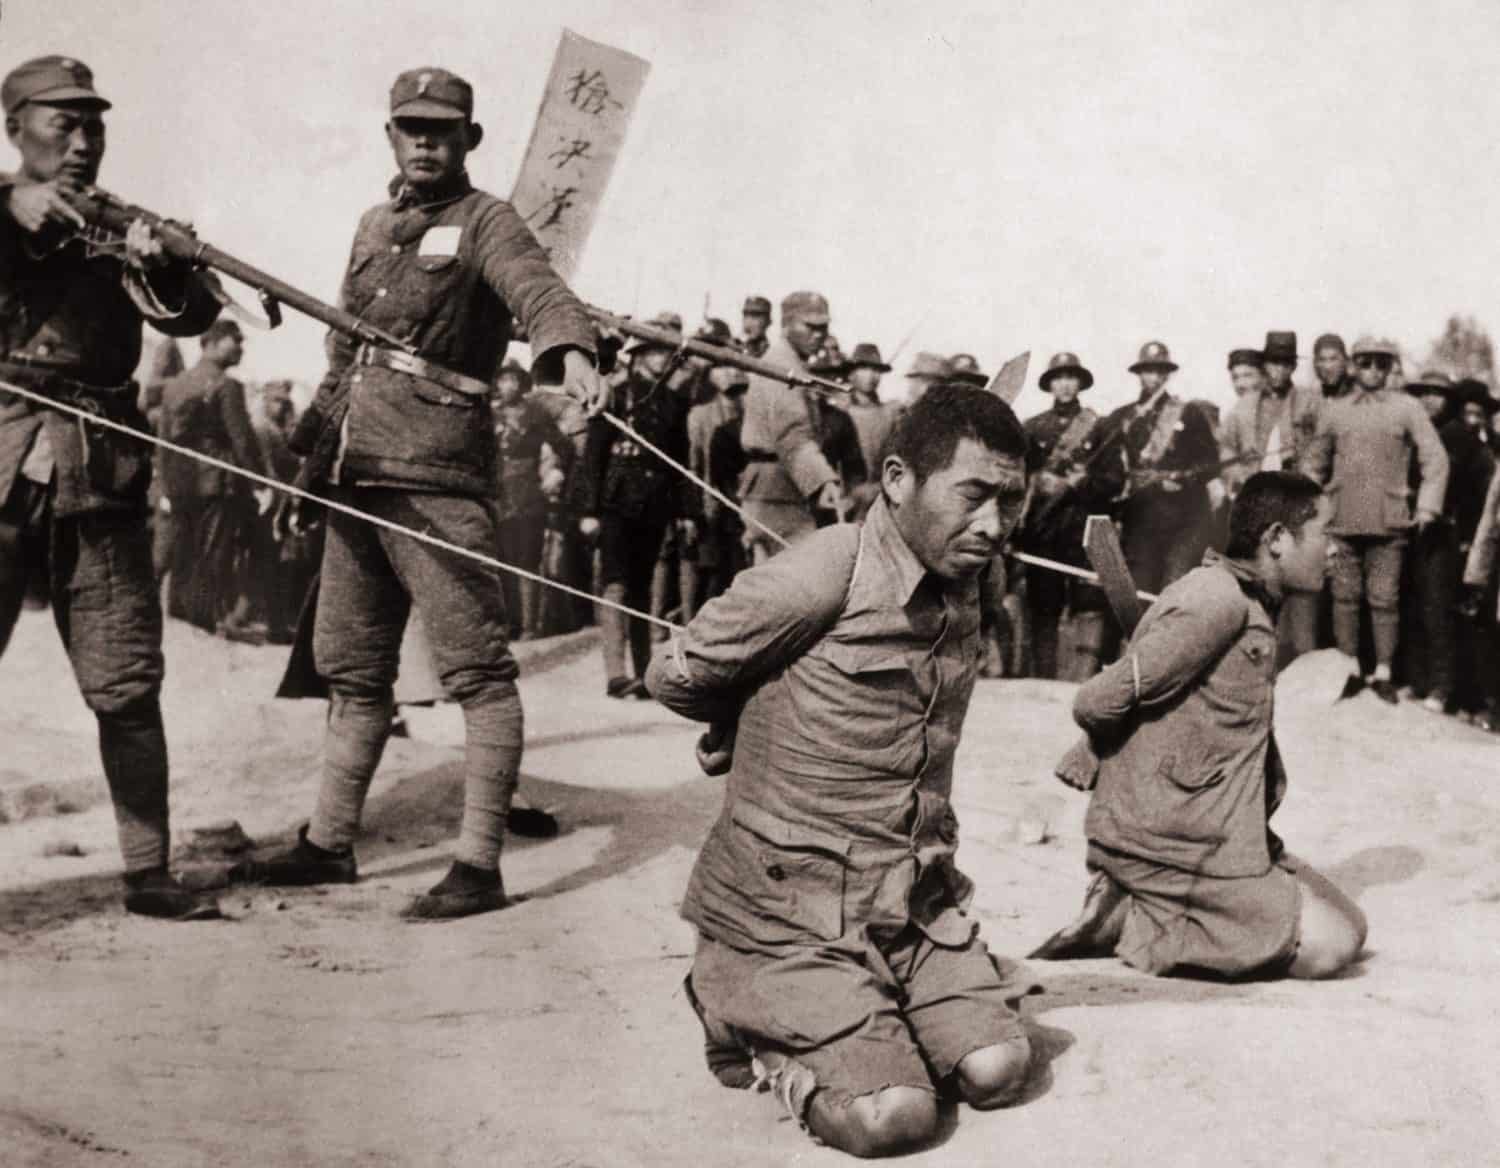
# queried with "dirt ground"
point(315, 1028)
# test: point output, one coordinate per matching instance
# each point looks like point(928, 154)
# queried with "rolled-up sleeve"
point(1182, 640)
point(767, 619)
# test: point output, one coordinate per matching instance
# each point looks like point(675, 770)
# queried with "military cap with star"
point(1065, 365)
point(431, 93)
point(50, 81)
point(1154, 355)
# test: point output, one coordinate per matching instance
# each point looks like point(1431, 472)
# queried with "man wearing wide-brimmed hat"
point(1163, 456)
point(787, 479)
point(1060, 441)
point(1362, 453)
point(872, 417)
point(73, 498)
point(927, 369)
point(964, 367)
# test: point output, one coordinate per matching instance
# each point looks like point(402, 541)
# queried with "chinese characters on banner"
point(591, 93)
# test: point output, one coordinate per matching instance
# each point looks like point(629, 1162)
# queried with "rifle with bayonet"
point(103, 210)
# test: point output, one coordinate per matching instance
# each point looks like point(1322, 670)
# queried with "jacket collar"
point(403, 197)
point(1067, 409)
point(896, 559)
point(1245, 574)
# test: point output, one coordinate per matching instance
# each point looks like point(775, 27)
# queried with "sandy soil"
point(315, 1028)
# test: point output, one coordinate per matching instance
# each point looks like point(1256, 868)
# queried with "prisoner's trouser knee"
point(358, 726)
point(133, 749)
point(493, 734)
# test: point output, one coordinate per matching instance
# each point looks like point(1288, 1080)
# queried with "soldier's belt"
point(400, 362)
point(759, 456)
point(46, 379)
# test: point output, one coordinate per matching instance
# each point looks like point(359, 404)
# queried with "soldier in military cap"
point(1362, 454)
point(449, 269)
point(787, 477)
point(1163, 455)
point(205, 410)
point(1060, 441)
point(72, 496)
point(628, 499)
point(755, 321)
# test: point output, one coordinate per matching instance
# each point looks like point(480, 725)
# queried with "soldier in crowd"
point(1162, 456)
point(523, 431)
point(837, 436)
point(1188, 877)
point(1060, 442)
point(833, 945)
point(166, 363)
point(1270, 428)
point(214, 512)
point(788, 480)
point(1362, 453)
point(872, 417)
point(286, 560)
point(726, 401)
point(627, 498)
point(755, 326)
point(723, 536)
point(1429, 650)
point(1247, 374)
point(1331, 364)
point(73, 496)
point(411, 440)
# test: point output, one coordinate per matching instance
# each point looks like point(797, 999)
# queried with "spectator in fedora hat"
point(872, 417)
point(927, 370)
point(1060, 441)
point(1281, 361)
point(964, 367)
point(1163, 455)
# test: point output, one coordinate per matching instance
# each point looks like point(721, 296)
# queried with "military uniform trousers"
point(97, 568)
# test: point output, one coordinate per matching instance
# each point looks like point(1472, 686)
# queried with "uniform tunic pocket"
point(794, 877)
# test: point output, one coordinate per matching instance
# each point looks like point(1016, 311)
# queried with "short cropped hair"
point(1268, 498)
point(930, 430)
point(221, 328)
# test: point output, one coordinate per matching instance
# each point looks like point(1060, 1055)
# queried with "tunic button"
point(395, 249)
point(776, 872)
point(44, 349)
point(357, 377)
point(379, 291)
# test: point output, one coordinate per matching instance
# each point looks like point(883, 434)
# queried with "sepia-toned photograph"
point(699, 584)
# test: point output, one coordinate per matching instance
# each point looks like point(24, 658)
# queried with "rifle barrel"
point(105, 210)
point(715, 353)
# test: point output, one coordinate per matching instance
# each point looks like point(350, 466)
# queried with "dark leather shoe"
point(1096, 931)
point(1385, 690)
point(303, 864)
point(156, 893)
point(1352, 686)
point(465, 891)
point(728, 1059)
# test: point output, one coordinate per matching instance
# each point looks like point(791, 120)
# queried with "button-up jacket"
point(69, 310)
point(1362, 454)
point(1188, 768)
point(780, 422)
point(849, 668)
point(449, 277)
point(1246, 433)
point(204, 410)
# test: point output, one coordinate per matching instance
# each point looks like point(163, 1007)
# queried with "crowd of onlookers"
point(1408, 460)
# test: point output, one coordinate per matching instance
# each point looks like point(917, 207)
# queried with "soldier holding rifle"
point(72, 496)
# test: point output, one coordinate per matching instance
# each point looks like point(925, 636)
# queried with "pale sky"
point(1028, 174)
